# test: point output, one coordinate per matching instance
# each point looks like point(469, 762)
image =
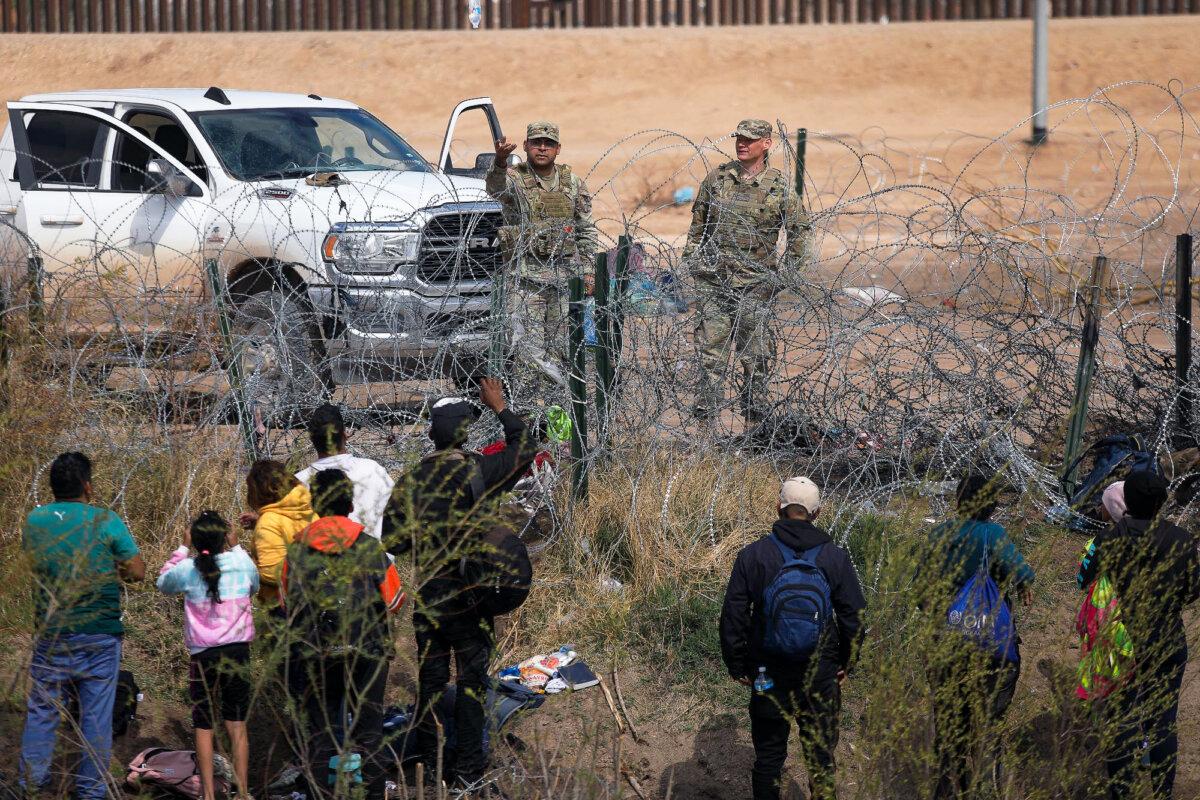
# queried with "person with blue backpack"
point(790, 626)
point(976, 660)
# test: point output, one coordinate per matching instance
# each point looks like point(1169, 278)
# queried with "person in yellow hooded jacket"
point(281, 508)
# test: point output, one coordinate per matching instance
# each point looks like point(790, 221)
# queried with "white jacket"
point(372, 487)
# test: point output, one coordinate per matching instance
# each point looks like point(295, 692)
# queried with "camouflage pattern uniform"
point(548, 237)
point(731, 253)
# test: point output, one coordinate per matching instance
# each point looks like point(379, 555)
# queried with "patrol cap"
point(800, 491)
point(543, 130)
point(753, 129)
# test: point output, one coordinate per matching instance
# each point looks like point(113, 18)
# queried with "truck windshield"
point(295, 142)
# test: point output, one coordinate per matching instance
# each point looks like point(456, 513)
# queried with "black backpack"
point(1114, 458)
point(500, 574)
point(334, 600)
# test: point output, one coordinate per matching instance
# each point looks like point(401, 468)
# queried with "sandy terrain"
point(915, 81)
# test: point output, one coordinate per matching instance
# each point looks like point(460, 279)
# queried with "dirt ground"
point(926, 96)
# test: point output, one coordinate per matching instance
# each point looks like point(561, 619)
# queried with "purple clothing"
point(206, 623)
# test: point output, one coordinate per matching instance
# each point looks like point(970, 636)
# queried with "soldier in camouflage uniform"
point(548, 238)
point(732, 253)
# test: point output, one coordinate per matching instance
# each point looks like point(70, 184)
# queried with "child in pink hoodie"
point(217, 585)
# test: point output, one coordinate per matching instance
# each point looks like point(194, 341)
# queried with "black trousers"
point(1146, 710)
point(327, 689)
point(970, 691)
point(814, 708)
point(470, 644)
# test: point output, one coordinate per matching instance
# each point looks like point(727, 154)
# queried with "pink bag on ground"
point(175, 771)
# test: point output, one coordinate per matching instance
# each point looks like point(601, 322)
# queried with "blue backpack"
point(796, 606)
point(980, 614)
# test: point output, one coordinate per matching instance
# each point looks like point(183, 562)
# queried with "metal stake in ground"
point(1041, 16)
point(1183, 340)
point(604, 343)
point(801, 147)
point(577, 382)
point(233, 357)
point(1085, 370)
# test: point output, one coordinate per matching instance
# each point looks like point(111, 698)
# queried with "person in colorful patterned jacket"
point(217, 585)
point(1154, 568)
point(547, 238)
point(732, 253)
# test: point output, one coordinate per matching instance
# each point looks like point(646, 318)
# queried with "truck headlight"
point(370, 248)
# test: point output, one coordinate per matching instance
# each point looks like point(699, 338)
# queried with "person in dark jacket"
point(337, 588)
point(437, 512)
point(808, 692)
point(1155, 571)
point(971, 686)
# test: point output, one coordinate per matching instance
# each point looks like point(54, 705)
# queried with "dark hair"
point(1145, 494)
point(268, 482)
point(332, 493)
point(977, 495)
point(68, 473)
point(327, 429)
point(208, 537)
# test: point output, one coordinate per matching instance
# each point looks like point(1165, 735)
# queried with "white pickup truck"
point(345, 252)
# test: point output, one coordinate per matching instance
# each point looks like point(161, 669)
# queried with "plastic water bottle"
point(763, 683)
point(474, 12)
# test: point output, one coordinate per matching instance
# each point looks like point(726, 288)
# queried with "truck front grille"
point(460, 247)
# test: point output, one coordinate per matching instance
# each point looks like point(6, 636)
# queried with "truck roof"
point(193, 99)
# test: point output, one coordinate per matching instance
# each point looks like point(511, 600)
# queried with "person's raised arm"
point(496, 181)
point(510, 462)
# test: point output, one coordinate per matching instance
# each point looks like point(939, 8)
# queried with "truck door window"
point(472, 149)
point(130, 156)
point(66, 149)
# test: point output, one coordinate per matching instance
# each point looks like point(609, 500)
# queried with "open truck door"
point(115, 218)
point(469, 146)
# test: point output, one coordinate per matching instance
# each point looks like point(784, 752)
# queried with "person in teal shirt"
point(972, 688)
point(78, 554)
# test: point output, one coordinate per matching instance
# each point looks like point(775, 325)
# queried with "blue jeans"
point(90, 662)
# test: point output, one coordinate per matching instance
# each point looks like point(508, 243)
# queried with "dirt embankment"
point(915, 81)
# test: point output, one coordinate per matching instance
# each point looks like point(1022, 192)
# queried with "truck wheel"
point(278, 342)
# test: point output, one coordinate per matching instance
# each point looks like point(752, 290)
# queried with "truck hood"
point(375, 196)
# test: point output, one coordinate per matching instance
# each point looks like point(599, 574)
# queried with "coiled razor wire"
point(936, 327)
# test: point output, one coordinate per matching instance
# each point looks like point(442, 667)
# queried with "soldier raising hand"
point(548, 237)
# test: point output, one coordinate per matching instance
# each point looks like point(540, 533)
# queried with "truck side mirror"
point(163, 178)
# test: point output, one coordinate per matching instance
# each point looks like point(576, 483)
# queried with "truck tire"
point(277, 339)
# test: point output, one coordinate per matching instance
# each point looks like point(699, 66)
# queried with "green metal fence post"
point(801, 147)
point(232, 358)
point(37, 301)
point(617, 315)
point(499, 328)
point(578, 386)
point(1085, 370)
point(604, 354)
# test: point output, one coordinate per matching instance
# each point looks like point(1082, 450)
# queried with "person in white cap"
point(796, 663)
